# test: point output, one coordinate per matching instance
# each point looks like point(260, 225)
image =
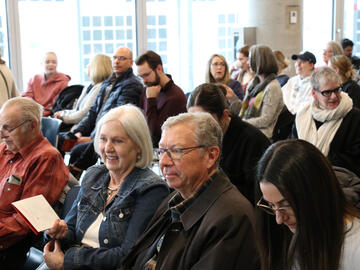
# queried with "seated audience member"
point(162, 97)
point(206, 223)
point(246, 74)
point(263, 101)
point(44, 88)
point(297, 91)
point(29, 166)
point(116, 200)
point(242, 144)
point(348, 46)
point(282, 63)
point(330, 122)
point(332, 48)
point(317, 228)
point(342, 65)
point(99, 70)
point(7, 84)
point(120, 88)
point(217, 71)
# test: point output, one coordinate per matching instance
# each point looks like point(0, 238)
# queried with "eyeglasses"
point(216, 64)
point(327, 93)
point(120, 58)
point(175, 153)
point(285, 210)
point(6, 129)
point(143, 76)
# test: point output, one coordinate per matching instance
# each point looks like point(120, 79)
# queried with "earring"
point(138, 156)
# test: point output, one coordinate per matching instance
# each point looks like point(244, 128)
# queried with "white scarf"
point(332, 119)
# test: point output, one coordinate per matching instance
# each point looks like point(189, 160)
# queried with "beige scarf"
point(332, 119)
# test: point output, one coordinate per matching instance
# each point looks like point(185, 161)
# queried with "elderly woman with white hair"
point(116, 200)
point(330, 122)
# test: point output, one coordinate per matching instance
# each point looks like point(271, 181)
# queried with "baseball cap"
point(305, 56)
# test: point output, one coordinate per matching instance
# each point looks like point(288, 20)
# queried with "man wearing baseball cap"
point(297, 91)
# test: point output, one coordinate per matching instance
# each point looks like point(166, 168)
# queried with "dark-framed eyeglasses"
point(143, 76)
point(121, 58)
point(175, 153)
point(6, 129)
point(327, 93)
point(271, 209)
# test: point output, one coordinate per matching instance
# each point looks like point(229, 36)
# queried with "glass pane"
point(88, 28)
point(4, 49)
point(186, 36)
point(352, 23)
point(320, 31)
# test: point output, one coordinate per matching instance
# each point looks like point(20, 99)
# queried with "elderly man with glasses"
point(330, 122)
point(206, 223)
point(29, 166)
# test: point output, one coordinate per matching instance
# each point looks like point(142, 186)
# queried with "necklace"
point(111, 190)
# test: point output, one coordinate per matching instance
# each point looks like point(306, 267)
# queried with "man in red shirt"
point(29, 166)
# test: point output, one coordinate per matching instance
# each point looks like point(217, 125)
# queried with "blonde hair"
point(281, 60)
point(100, 68)
point(343, 64)
point(335, 48)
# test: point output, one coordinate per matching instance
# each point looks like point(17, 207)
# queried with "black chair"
point(67, 98)
point(34, 255)
point(50, 129)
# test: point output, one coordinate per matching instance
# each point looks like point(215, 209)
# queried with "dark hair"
point(262, 60)
point(305, 178)
point(244, 50)
point(346, 43)
point(151, 57)
point(209, 96)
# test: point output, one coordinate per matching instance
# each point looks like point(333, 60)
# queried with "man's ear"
point(159, 68)
point(213, 155)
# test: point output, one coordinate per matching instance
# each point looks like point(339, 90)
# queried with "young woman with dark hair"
point(296, 183)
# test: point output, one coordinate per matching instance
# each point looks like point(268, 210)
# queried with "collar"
point(168, 85)
point(203, 199)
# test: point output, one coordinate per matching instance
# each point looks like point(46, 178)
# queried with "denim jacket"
point(125, 218)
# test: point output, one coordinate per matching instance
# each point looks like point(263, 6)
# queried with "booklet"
point(37, 212)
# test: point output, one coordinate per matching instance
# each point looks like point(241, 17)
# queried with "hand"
point(229, 91)
point(58, 115)
point(78, 134)
point(58, 230)
point(153, 91)
point(53, 256)
point(83, 140)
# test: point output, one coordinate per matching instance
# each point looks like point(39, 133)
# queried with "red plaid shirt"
point(41, 169)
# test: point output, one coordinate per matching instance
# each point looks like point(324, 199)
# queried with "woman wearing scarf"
point(330, 122)
point(263, 100)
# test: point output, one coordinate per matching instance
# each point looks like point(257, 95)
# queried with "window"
point(187, 33)
point(4, 49)
point(75, 31)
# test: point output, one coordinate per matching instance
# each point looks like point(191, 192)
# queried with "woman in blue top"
point(116, 200)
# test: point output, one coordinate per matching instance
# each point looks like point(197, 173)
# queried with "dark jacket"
point(216, 233)
point(243, 145)
point(127, 89)
point(353, 90)
point(345, 147)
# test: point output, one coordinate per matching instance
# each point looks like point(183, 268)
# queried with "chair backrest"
point(69, 200)
point(50, 129)
point(67, 98)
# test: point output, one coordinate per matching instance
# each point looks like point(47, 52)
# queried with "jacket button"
point(121, 215)
point(106, 241)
